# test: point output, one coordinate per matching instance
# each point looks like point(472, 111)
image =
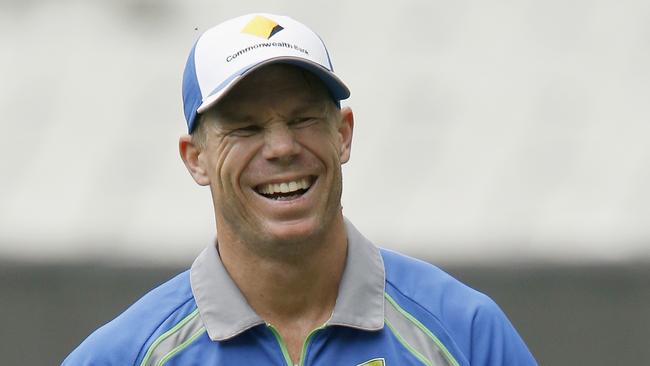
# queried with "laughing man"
point(290, 281)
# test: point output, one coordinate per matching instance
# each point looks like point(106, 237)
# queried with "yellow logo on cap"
point(262, 27)
point(373, 362)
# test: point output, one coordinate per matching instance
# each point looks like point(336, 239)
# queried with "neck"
point(297, 289)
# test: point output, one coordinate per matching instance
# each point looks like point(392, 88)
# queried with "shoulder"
point(468, 321)
point(122, 340)
point(430, 286)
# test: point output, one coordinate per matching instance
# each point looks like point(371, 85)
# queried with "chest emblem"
point(373, 362)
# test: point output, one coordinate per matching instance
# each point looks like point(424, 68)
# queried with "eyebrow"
point(230, 119)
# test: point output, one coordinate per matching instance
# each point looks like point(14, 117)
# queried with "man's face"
point(273, 154)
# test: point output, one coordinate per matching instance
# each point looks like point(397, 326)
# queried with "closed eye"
point(245, 131)
point(302, 122)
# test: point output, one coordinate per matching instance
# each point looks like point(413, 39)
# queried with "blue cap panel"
point(192, 98)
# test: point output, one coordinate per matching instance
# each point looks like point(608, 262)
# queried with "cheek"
point(235, 159)
point(323, 141)
point(216, 160)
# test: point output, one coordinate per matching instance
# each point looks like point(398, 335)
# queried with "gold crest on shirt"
point(373, 362)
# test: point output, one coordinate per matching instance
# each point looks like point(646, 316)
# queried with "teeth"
point(284, 187)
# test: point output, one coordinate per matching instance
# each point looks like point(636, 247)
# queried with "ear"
point(346, 127)
point(190, 153)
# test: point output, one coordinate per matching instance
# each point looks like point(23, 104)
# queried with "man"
point(290, 281)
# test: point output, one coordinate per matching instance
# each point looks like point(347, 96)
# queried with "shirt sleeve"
point(494, 340)
point(104, 348)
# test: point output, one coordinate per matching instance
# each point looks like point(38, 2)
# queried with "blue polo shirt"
point(391, 310)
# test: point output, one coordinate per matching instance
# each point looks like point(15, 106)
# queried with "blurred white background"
point(485, 131)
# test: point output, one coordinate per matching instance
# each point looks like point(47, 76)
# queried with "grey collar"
point(360, 302)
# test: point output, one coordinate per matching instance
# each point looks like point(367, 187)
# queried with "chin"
point(294, 231)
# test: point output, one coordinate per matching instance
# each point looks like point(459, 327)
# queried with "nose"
point(280, 143)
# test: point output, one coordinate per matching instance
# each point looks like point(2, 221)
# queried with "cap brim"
point(337, 89)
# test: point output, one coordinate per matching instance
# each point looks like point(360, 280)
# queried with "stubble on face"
point(244, 151)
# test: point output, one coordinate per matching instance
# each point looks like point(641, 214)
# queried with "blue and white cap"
point(226, 53)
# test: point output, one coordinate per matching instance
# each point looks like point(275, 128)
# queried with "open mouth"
point(285, 191)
